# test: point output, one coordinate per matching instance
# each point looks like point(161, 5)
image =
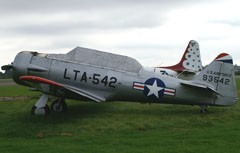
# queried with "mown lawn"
point(118, 127)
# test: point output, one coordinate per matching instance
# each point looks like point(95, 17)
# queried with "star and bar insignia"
point(154, 88)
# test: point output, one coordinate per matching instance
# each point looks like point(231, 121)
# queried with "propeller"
point(7, 67)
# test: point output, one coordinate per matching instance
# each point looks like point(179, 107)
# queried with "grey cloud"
point(82, 22)
point(97, 15)
point(83, 26)
point(233, 23)
point(48, 6)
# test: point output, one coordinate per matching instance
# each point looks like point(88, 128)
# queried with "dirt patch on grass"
point(6, 99)
point(8, 83)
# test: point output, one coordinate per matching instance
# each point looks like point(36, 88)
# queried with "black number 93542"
point(216, 79)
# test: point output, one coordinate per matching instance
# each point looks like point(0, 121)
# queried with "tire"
point(59, 105)
point(40, 111)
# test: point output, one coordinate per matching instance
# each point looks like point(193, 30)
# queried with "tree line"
point(6, 75)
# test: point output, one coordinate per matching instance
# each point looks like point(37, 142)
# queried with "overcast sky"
point(155, 32)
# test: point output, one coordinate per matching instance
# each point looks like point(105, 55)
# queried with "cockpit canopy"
point(99, 58)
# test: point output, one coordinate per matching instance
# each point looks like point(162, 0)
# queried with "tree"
point(6, 75)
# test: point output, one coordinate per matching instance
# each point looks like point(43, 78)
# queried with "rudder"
point(219, 76)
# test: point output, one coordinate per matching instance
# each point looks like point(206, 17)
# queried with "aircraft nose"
point(20, 65)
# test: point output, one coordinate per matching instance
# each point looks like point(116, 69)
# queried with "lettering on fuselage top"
point(95, 78)
point(163, 72)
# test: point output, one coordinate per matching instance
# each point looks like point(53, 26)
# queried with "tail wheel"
point(59, 105)
point(204, 109)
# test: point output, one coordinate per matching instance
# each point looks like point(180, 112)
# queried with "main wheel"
point(59, 105)
point(40, 111)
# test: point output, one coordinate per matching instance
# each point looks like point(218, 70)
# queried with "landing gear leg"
point(41, 107)
point(59, 105)
point(203, 109)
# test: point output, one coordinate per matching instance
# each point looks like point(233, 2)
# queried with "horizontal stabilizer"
point(199, 85)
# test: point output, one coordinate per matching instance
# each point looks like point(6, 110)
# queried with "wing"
point(54, 88)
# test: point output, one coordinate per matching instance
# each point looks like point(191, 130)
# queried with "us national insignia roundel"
point(154, 88)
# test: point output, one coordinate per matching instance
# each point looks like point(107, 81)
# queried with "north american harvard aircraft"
point(189, 65)
point(89, 74)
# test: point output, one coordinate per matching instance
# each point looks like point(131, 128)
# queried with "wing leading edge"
point(46, 86)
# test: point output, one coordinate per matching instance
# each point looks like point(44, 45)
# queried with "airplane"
point(189, 65)
point(88, 74)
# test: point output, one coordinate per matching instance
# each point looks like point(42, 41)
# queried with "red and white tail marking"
point(224, 57)
point(191, 59)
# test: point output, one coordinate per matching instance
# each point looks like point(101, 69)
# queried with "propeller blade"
point(7, 67)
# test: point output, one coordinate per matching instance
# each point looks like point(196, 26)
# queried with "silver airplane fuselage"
point(113, 83)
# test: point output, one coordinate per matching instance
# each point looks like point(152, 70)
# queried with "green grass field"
point(116, 127)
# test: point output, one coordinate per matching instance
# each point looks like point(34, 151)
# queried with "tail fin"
point(191, 59)
point(219, 77)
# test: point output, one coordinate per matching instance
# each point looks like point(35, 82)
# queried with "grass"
point(16, 91)
point(5, 80)
point(118, 127)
